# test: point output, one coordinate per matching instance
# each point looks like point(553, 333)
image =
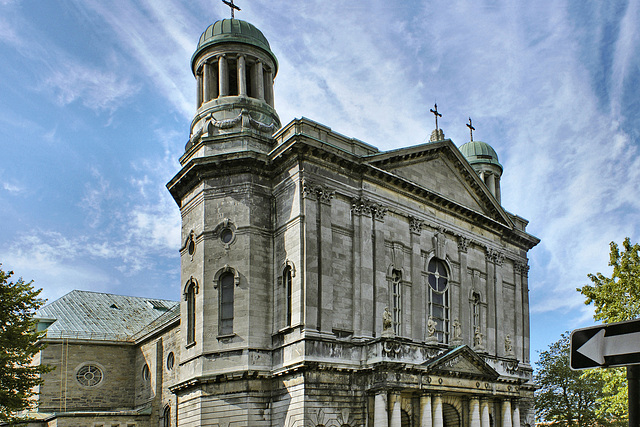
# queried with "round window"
point(437, 275)
point(226, 235)
point(191, 247)
point(89, 375)
point(170, 361)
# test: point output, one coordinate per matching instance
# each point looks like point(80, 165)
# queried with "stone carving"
point(521, 267)
point(495, 256)
point(508, 346)
point(387, 323)
point(431, 331)
point(363, 206)
point(440, 243)
point(317, 192)
point(260, 126)
point(477, 339)
point(463, 243)
point(415, 225)
point(457, 332)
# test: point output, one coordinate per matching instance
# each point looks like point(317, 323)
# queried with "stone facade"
point(323, 282)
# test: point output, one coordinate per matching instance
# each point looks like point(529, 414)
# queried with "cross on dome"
point(232, 6)
point(471, 128)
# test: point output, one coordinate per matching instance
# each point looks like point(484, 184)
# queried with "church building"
point(323, 282)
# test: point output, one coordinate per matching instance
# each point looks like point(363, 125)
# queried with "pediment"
point(440, 168)
point(462, 361)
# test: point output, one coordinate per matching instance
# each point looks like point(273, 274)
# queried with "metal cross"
point(232, 6)
point(435, 113)
point(471, 128)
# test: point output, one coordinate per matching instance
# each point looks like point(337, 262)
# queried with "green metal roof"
point(100, 316)
point(480, 152)
point(233, 31)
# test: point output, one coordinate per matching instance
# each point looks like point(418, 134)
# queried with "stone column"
point(210, 83)
point(506, 413)
point(223, 76)
point(426, 417)
point(259, 77)
point(396, 409)
point(242, 76)
point(198, 89)
point(491, 183)
point(269, 87)
point(417, 287)
point(464, 310)
point(474, 412)
point(380, 417)
point(325, 269)
point(438, 420)
point(525, 318)
point(311, 256)
point(484, 413)
point(516, 413)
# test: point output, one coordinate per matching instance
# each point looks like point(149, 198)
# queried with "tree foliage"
point(19, 343)
point(615, 299)
point(566, 397)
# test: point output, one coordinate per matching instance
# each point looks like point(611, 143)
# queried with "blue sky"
point(96, 99)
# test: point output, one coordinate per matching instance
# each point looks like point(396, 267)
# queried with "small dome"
point(479, 152)
point(233, 31)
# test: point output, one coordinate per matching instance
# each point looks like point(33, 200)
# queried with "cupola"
point(235, 69)
point(484, 160)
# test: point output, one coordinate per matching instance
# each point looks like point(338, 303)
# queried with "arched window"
point(166, 416)
point(396, 283)
point(287, 282)
point(226, 286)
point(191, 312)
point(438, 290)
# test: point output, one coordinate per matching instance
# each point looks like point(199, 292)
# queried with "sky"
point(96, 99)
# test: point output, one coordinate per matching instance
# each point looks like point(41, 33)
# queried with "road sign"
point(613, 344)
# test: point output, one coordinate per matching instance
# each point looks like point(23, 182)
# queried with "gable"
point(438, 175)
point(462, 361)
point(439, 168)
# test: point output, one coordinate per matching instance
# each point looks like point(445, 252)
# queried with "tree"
point(565, 397)
point(19, 343)
point(616, 298)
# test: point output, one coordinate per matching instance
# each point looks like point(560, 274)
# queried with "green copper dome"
point(479, 152)
point(233, 31)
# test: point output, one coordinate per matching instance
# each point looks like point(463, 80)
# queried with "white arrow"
point(600, 346)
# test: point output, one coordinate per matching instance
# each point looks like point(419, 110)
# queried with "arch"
point(290, 264)
point(438, 279)
point(226, 302)
point(287, 282)
point(226, 269)
point(192, 281)
point(190, 291)
point(451, 410)
point(166, 416)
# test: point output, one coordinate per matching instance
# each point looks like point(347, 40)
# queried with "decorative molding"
point(415, 225)
point(495, 256)
point(463, 243)
point(521, 267)
point(364, 206)
point(440, 243)
point(319, 192)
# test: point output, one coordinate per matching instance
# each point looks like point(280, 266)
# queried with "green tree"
point(18, 344)
point(615, 299)
point(565, 397)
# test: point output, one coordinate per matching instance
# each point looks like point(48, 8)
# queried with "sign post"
point(607, 346)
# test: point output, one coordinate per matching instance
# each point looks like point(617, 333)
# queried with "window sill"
point(191, 344)
point(226, 336)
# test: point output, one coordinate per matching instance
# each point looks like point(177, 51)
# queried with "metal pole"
point(633, 380)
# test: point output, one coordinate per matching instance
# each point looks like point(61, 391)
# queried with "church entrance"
point(450, 416)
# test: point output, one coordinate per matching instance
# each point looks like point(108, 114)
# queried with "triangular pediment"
point(462, 361)
point(440, 168)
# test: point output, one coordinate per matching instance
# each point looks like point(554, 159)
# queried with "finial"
point(471, 128)
point(435, 113)
point(232, 6)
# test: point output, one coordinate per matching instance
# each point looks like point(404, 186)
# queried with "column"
point(380, 418)
point(491, 182)
point(259, 78)
point(417, 287)
point(242, 76)
point(223, 76)
point(325, 267)
point(268, 87)
point(474, 412)
point(506, 413)
point(199, 89)
point(518, 322)
point(438, 420)
point(425, 411)
point(367, 311)
point(210, 82)
point(396, 409)
point(525, 318)
point(484, 413)
point(516, 414)
point(311, 256)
